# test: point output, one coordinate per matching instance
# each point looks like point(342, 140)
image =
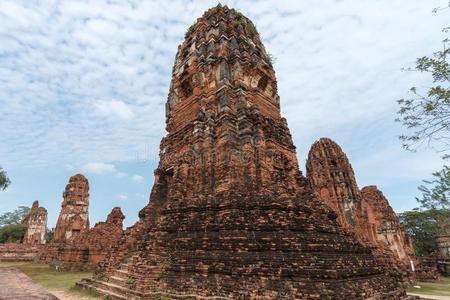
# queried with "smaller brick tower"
point(36, 224)
point(73, 218)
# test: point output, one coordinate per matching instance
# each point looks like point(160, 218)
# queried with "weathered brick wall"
point(230, 213)
point(18, 252)
point(36, 225)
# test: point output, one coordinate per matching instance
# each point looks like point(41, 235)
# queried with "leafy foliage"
point(50, 235)
point(427, 113)
point(423, 227)
point(436, 192)
point(12, 233)
point(4, 180)
point(246, 24)
point(189, 31)
point(271, 58)
point(15, 217)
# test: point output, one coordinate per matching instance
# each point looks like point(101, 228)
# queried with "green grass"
point(51, 279)
point(436, 288)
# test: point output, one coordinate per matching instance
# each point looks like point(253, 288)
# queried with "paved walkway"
point(430, 296)
point(18, 286)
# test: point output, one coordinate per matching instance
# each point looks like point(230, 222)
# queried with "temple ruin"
point(74, 217)
point(443, 263)
point(366, 212)
point(76, 246)
point(36, 225)
point(230, 214)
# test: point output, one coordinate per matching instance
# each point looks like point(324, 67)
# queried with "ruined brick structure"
point(36, 225)
point(74, 217)
point(75, 246)
point(332, 178)
point(383, 224)
point(366, 212)
point(443, 243)
point(19, 252)
point(230, 214)
point(86, 250)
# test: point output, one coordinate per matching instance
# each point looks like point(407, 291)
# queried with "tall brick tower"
point(73, 218)
point(230, 214)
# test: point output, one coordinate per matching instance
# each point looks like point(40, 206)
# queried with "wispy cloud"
point(137, 178)
point(98, 168)
point(114, 108)
point(122, 197)
point(86, 81)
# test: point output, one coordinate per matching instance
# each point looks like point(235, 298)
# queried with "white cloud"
point(88, 80)
point(120, 175)
point(98, 168)
point(114, 108)
point(137, 178)
point(122, 197)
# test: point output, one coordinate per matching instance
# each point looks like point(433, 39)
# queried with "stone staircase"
point(118, 286)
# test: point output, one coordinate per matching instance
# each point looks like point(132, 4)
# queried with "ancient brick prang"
point(383, 225)
point(230, 214)
point(74, 217)
point(367, 212)
point(332, 179)
point(36, 225)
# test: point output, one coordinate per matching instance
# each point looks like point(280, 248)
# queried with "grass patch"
point(50, 278)
point(435, 288)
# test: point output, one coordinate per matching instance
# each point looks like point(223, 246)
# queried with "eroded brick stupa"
point(230, 215)
point(366, 212)
point(76, 246)
point(36, 225)
point(74, 217)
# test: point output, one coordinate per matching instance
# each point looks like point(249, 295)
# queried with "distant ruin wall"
point(18, 252)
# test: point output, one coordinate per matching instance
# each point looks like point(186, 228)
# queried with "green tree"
point(15, 217)
point(423, 228)
point(12, 233)
point(426, 115)
point(427, 112)
point(436, 192)
point(4, 180)
point(50, 234)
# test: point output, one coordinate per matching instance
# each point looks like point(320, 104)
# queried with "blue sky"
point(83, 86)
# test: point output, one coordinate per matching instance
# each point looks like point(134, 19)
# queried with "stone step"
point(121, 273)
point(117, 289)
point(87, 285)
point(124, 266)
point(118, 280)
